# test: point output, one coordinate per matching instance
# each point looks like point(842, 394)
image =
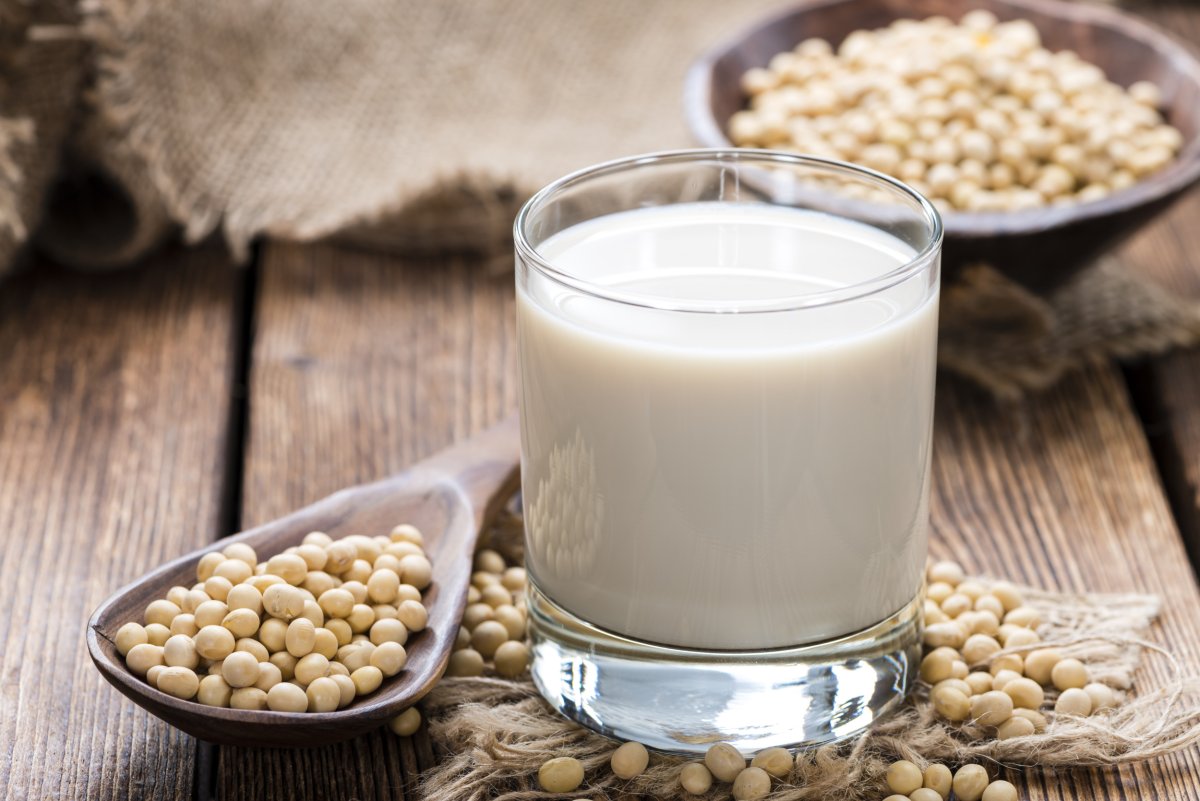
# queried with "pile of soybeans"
point(977, 116)
point(322, 623)
point(307, 630)
point(314, 627)
point(967, 625)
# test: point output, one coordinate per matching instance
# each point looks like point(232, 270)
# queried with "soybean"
point(724, 762)
point(969, 782)
point(1069, 674)
point(287, 697)
point(939, 779)
point(991, 708)
point(751, 784)
point(511, 659)
point(903, 777)
point(775, 761)
point(695, 778)
point(406, 723)
point(180, 682)
point(1074, 701)
point(629, 760)
point(560, 775)
point(129, 635)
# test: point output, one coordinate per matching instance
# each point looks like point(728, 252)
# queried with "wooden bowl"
point(1040, 248)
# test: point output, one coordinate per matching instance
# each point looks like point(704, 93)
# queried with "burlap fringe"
point(494, 733)
point(1012, 342)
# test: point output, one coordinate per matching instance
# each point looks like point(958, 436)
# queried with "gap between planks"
point(241, 343)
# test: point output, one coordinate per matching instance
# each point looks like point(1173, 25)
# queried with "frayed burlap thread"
point(495, 734)
point(1011, 342)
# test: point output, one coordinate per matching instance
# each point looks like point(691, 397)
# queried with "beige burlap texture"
point(418, 127)
point(42, 65)
point(397, 124)
point(1011, 341)
point(493, 734)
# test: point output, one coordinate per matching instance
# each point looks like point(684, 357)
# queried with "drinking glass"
point(727, 379)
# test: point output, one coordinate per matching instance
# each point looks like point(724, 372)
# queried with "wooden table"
point(145, 413)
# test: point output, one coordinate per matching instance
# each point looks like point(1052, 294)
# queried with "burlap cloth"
point(415, 126)
point(493, 734)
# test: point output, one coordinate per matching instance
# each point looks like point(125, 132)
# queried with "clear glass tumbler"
point(727, 377)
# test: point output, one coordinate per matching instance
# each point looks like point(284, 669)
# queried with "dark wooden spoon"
point(450, 497)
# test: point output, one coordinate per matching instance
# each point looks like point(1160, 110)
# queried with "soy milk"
point(726, 477)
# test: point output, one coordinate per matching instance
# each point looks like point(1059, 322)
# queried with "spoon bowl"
point(450, 497)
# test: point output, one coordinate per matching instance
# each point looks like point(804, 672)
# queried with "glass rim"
point(921, 261)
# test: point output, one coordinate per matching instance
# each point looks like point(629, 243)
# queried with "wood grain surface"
point(1169, 387)
point(362, 364)
point(1061, 493)
point(114, 425)
point(114, 406)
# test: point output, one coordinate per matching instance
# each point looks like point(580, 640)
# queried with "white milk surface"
point(726, 480)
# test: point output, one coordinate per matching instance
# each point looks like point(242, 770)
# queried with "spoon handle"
point(487, 467)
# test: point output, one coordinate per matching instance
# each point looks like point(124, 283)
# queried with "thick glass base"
point(683, 701)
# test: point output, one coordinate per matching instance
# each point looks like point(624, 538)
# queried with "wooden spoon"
point(450, 497)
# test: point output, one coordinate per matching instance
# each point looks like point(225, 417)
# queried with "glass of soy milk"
point(727, 377)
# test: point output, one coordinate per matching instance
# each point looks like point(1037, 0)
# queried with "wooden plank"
point(361, 365)
point(114, 413)
point(1062, 493)
point(1168, 388)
